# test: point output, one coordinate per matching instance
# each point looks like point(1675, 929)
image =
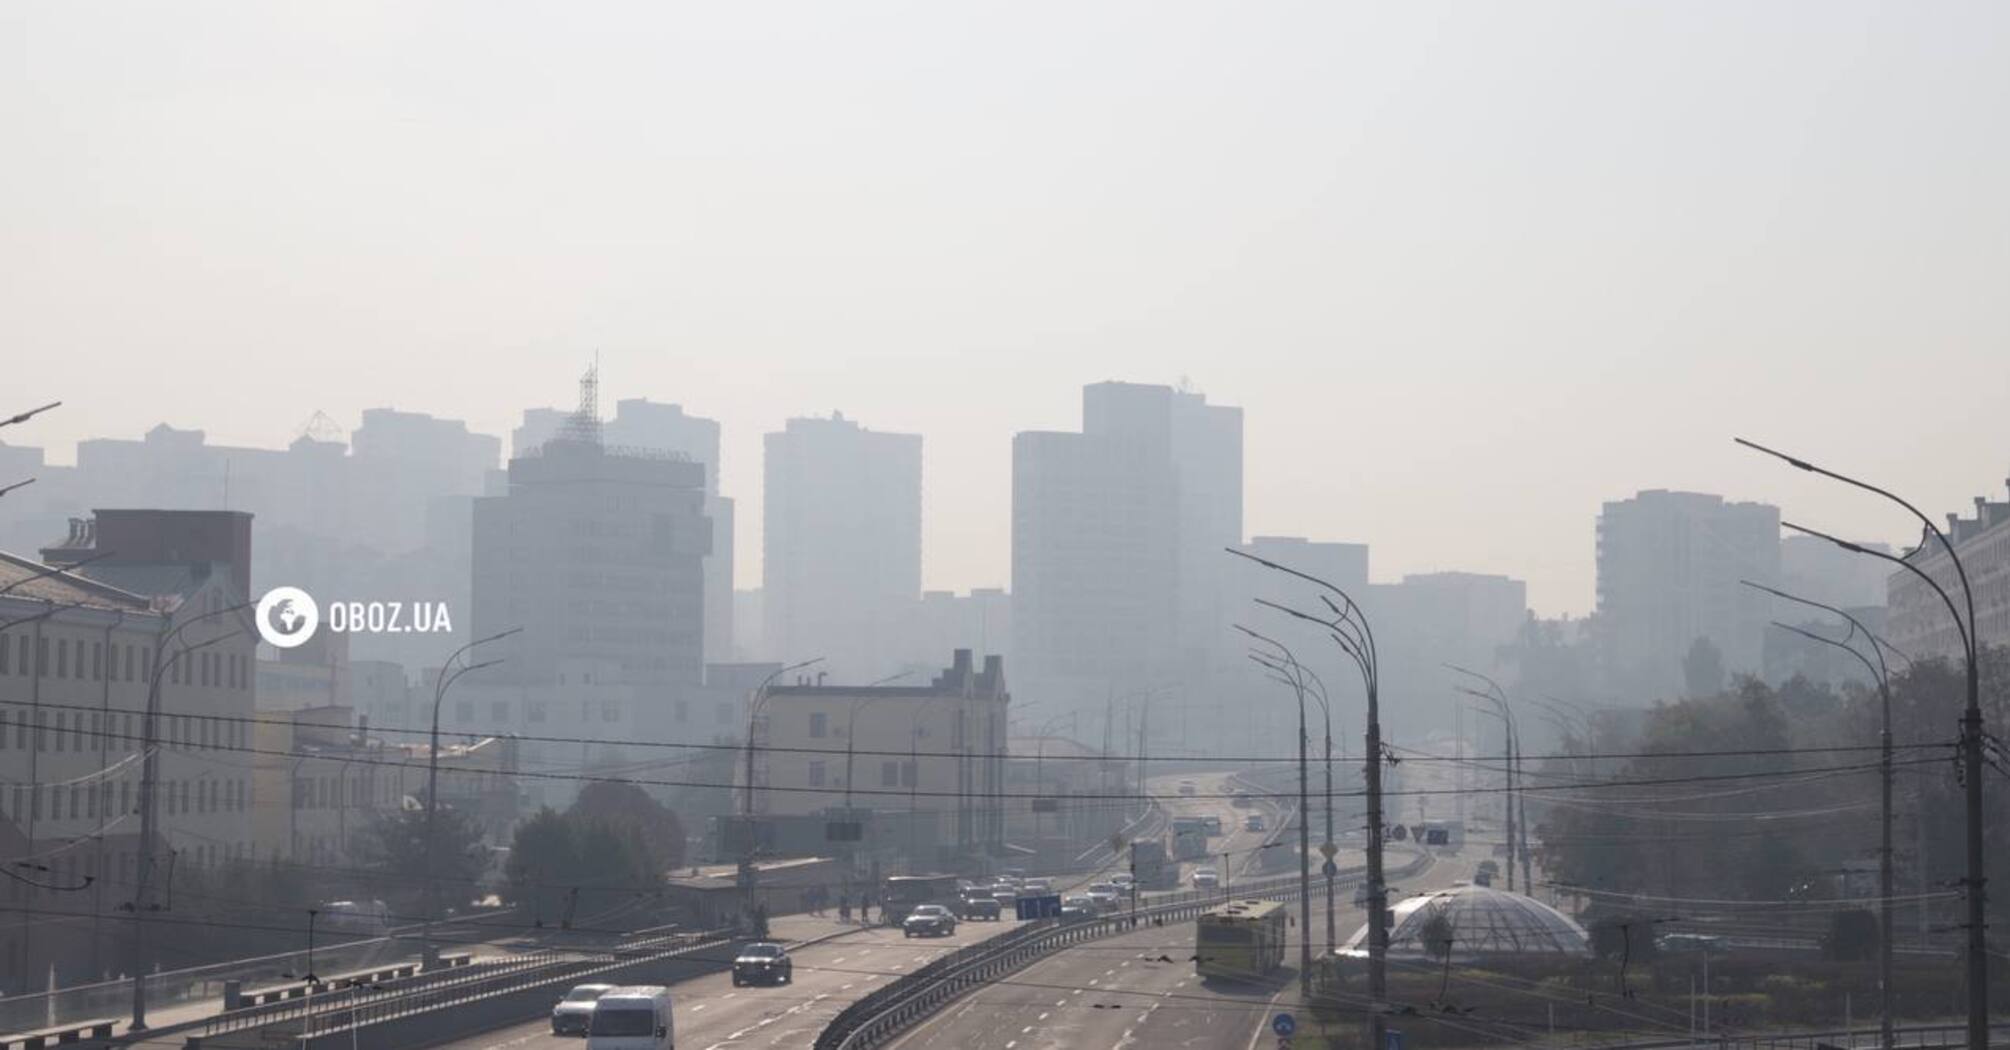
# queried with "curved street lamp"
point(444, 680)
point(1975, 878)
point(1350, 630)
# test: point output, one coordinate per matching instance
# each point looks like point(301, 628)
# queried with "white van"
point(634, 1017)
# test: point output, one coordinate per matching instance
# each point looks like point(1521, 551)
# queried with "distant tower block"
point(320, 428)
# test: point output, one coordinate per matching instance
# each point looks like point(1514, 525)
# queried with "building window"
point(6, 647)
point(62, 726)
point(819, 725)
point(610, 712)
point(499, 711)
point(62, 658)
point(889, 774)
point(41, 657)
point(907, 772)
point(97, 661)
point(816, 774)
point(536, 710)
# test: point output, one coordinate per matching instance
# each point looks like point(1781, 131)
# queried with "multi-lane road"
point(1132, 990)
point(1139, 989)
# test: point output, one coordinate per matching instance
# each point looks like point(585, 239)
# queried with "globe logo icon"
point(287, 617)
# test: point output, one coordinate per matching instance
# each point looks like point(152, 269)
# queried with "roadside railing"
point(1913, 1037)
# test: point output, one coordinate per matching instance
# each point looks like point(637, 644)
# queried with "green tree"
point(571, 869)
point(392, 848)
point(1703, 669)
point(631, 810)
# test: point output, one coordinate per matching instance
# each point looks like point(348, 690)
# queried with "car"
point(1123, 880)
point(1105, 895)
point(574, 1013)
point(1253, 822)
point(1016, 874)
point(1036, 888)
point(978, 906)
point(1078, 907)
point(1006, 898)
point(1205, 879)
point(1483, 878)
point(1186, 787)
point(928, 920)
point(1212, 823)
point(1489, 868)
point(763, 962)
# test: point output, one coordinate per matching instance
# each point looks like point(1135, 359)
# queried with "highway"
point(713, 1015)
point(1139, 990)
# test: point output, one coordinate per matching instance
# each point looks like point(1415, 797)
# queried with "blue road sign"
point(1283, 1025)
point(1395, 1040)
point(1039, 907)
point(1329, 869)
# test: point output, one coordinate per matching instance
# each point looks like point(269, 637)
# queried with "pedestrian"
point(865, 908)
point(844, 907)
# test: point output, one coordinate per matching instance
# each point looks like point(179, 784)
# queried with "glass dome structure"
point(1484, 921)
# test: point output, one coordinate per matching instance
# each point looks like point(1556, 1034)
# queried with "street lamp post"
point(428, 951)
point(1304, 825)
point(149, 773)
point(1887, 877)
point(754, 705)
point(1350, 630)
point(1517, 778)
point(1329, 870)
point(1975, 879)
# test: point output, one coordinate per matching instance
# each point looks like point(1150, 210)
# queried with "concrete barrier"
point(59, 1036)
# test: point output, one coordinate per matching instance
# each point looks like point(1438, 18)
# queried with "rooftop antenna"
point(583, 426)
point(320, 428)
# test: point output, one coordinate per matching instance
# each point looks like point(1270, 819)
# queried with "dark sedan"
point(763, 963)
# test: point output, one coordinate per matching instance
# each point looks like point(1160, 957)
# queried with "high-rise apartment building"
point(1919, 622)
point(1119, 580)
point(841, 549)
point(1669, 566)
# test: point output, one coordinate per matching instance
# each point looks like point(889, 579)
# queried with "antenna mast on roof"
point(583, 425)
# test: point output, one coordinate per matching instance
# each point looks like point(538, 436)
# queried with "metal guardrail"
point(330, 1008)
point(894, 1007)
point(1913, 1037)
point(171, 988)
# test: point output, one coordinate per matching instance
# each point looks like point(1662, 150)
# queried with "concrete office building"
point(78, 652)
point(928, 758)
point(841, 550)
point(1669, 566)
point(653, 426)
point(1119, 582)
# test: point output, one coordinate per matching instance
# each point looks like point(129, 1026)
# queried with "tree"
point(392, 848)
point(631, 810)
point(1438, 933)
point(1703, 669)
point(568, 868)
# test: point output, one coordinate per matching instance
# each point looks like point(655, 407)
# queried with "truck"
point(1189, 843)
point(1153, 869)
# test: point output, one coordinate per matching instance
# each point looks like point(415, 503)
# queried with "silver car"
point(575, 1011)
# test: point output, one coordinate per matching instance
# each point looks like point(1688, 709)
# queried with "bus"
point(1240, 940)
point(900, 893)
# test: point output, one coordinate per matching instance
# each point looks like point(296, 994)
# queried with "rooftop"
point(1484, 921)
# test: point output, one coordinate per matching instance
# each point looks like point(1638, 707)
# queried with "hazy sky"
point(1471, 269)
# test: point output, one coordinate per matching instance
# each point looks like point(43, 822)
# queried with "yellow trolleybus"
point(1240, 939)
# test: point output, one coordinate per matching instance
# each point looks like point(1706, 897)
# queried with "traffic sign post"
point(1284, 1025)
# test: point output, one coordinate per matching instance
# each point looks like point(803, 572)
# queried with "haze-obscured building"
point(841, 547)
point(1669, 566)
point(1919, 621)
point(1119, 581)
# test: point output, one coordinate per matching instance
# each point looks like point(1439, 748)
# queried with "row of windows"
point(75, 659)
point(202, 794)
point(327, 792)
point(891, 774)
point(113, 731)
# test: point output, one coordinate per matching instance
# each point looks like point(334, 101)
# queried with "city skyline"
point(1571, 293)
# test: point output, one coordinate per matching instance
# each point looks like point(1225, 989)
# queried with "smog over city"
point(1004, 527)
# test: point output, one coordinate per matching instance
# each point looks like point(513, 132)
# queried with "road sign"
point(1283, 1025)
point(1330, 869)
point(1395, 1040)
point(1047, 907)
point(1329, 849)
